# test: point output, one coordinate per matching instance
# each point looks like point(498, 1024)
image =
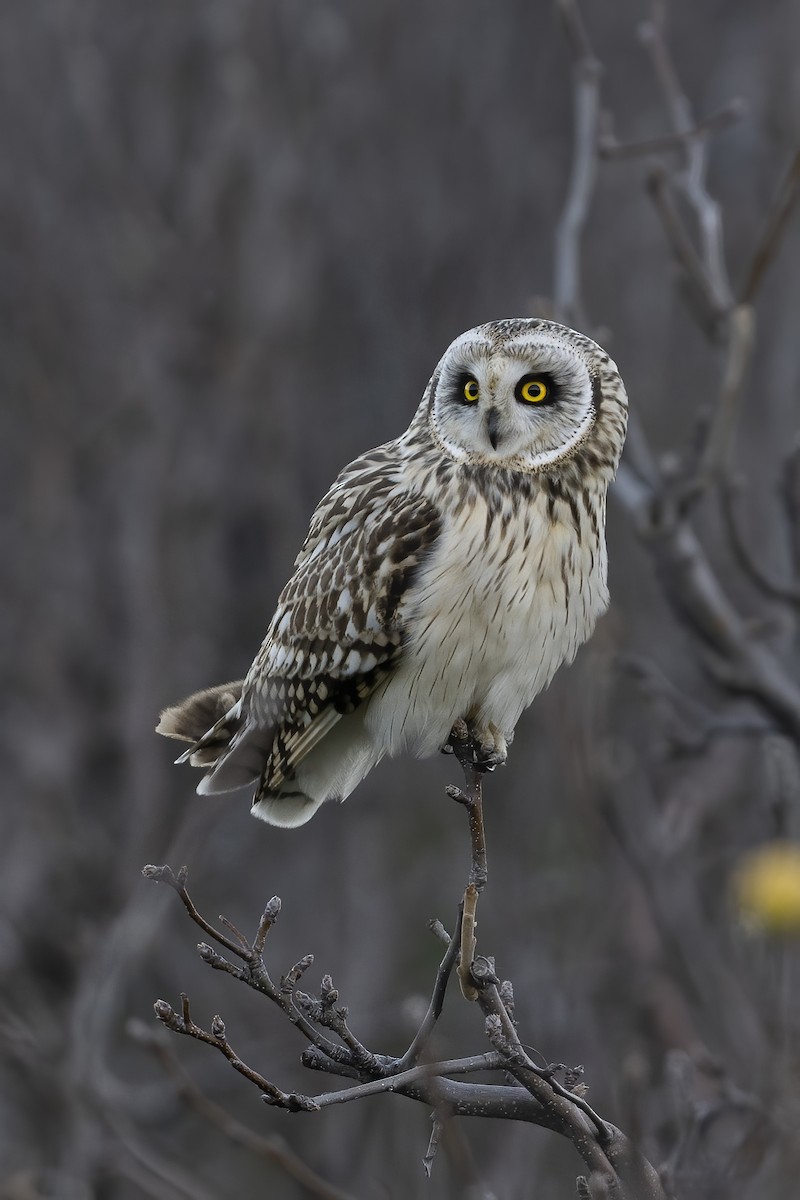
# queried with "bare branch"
point(273, 1148)
point(541, 1099)
point(217, 1038)
point(774, 227)
point(178, 884)
point(423, 1034)
point(698, 597)
point(586, 92)
point(609, 148)
point(687, 257)
point(433, 1144)
point(776, 590)
point(325, 1012)
point(718, 449)
point(692, 178)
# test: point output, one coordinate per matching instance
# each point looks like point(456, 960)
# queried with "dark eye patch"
point(553, 388)
point(459, 382)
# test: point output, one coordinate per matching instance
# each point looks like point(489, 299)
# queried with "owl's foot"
point(482, 747)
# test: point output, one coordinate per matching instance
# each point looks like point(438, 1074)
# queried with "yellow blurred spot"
point(766, 887)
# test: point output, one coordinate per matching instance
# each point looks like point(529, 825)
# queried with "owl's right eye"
point(471, 391)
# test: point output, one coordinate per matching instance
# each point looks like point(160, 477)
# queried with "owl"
point(445, 576)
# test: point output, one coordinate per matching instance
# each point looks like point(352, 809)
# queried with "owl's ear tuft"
point(195, 716)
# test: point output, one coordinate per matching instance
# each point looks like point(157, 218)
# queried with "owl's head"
point(527, 395)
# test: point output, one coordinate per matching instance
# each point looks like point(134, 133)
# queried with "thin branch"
point(423, 1034)
point(152, 1172)
point(399, 1082)
point(324, 1011)
point(183, 1023)
point(683, 249)
point(774, 228)
point(774, 588)
point(474, 759)
point(433, 1144)
point(717, 452)
point(731, 654)
point(586, 103)
point(178, 884)
point(254, 973)
point(274, 1149)
point(503, 1034)
point(609, 148)
point(688, 724)
point(692, 179)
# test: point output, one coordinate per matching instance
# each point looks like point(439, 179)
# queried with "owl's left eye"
point(531, 390)
point(471, 391)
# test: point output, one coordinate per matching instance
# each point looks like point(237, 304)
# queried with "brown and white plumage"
point(445, 575)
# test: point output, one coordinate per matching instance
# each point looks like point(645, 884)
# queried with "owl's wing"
point(335, 636)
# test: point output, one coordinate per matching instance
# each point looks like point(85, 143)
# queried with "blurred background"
point(235, 238)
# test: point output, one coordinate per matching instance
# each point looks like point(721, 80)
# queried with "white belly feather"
point(490, 621)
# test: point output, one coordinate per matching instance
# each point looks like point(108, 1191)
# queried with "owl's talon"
point(492, 752)
point(488, 758)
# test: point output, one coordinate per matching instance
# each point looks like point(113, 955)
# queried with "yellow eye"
point(532, 391)
point(471, 391)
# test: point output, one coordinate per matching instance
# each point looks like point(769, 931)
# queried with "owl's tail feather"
point(287, 809)
point(209, 720)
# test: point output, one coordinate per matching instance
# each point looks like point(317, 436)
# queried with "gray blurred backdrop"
point(235, 237)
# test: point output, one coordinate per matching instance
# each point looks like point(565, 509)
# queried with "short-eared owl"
point(445, 575)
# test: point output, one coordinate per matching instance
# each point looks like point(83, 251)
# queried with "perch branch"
point(465, 749)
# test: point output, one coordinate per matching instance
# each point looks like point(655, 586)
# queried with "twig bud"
point(483, 969)
point(160, 874)
point(507, 997)
point(209, 954)
point(495, 1034)
point(572, 1076)
point(308, 1005)
point(218, 1028)
point(163, 1010)
point(290, 979)
point(268, 919)
point(328, 994)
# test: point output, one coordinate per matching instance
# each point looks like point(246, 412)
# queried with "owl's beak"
point(493, 427)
